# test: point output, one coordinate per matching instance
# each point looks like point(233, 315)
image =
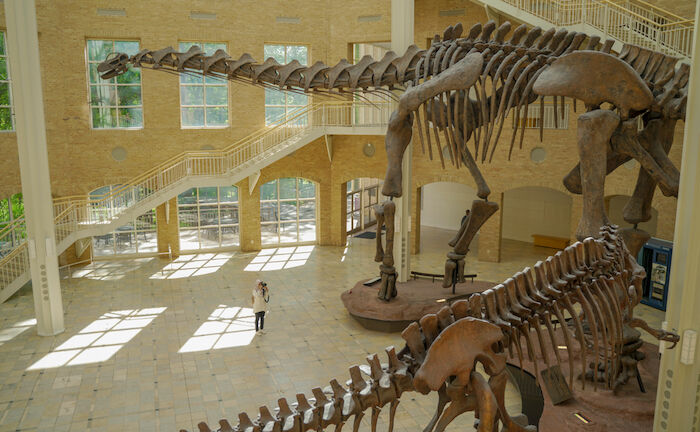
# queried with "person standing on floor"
point(260, 297)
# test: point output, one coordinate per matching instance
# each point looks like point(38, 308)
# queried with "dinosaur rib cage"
point(509, 71)
point(586, 287)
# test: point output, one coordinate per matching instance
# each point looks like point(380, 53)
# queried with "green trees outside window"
point(114, 103)
point(279, 104)
point(6, 112)
point(203, 100)
point(288, 211)
point(11, 208)
point(208, 217)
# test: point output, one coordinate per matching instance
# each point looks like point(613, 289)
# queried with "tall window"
point(288, 211)
point(365, 113)
point(137, 236)
point(6, 123)
point(362, 194)
point(208, 217)
point(203, 100)
point(279, 104)
point(114, 103)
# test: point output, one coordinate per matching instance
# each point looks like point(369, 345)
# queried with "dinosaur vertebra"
point(442, 349)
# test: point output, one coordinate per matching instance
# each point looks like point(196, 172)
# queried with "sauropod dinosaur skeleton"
point(596, 281)
point(465, 87)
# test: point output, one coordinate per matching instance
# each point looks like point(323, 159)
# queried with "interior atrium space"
point(377, 215)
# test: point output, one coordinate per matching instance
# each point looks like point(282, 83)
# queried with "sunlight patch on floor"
point(345, 251)
point(226, 327)
point(100, 340)
point(193, 265)
point(280, 258)
point(110, 270)
point(15, 330)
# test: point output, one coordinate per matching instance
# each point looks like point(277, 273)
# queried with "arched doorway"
point(535, 210)
point(442, 207)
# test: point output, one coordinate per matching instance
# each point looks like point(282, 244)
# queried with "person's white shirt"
point(259, 304)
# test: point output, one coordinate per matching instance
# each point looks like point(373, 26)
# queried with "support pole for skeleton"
point(385, 254)
point(402, 13)
point(454, 266)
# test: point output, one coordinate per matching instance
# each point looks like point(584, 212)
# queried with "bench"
point(550, 241)
point(434, 276)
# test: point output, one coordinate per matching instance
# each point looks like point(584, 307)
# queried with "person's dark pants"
point(259, 317)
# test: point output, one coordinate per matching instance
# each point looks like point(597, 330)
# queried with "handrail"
point(627, 10)
point(628, 21)
point(12, 225)
point(662, 11)
point(81, 211)
point(16, 251)
point(184, 154)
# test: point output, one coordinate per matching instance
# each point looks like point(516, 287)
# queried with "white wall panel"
point(535, 210)
point(444, 204)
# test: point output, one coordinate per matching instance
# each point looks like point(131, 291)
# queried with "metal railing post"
point(606, 15)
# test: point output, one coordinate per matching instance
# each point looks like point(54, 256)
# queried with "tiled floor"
point(151, 345)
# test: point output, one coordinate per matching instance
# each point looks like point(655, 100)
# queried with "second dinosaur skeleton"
point(591, 288)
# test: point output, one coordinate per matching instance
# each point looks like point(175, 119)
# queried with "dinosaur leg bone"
point(460, 403)
point(594, 131)
point(638, 208)
point(625, 141)
point(388, 272)
point(459, 77)
point(498, 386)
point(480, 212)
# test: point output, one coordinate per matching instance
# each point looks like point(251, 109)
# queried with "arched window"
point(208, 217)
point(138, 236)
point(288, 211)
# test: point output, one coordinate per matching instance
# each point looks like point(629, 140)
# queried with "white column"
point(677, 395)
point(23, 49)
point(401, 39)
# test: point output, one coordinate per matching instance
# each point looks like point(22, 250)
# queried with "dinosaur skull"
point(114, 65)
point(449, 355)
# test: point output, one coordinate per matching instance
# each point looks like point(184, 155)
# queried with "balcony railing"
point(635, 22)
point(80, 212)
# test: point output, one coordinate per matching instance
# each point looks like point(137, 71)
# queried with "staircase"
point(625, 21)
point(78, 217)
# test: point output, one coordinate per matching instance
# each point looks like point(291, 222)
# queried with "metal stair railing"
point(627, 21)
point(74, 213)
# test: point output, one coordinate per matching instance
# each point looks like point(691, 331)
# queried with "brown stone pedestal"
point(415, 299)
point(628, 410)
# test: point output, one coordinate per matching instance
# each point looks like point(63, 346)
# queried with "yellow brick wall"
point(168, 225)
